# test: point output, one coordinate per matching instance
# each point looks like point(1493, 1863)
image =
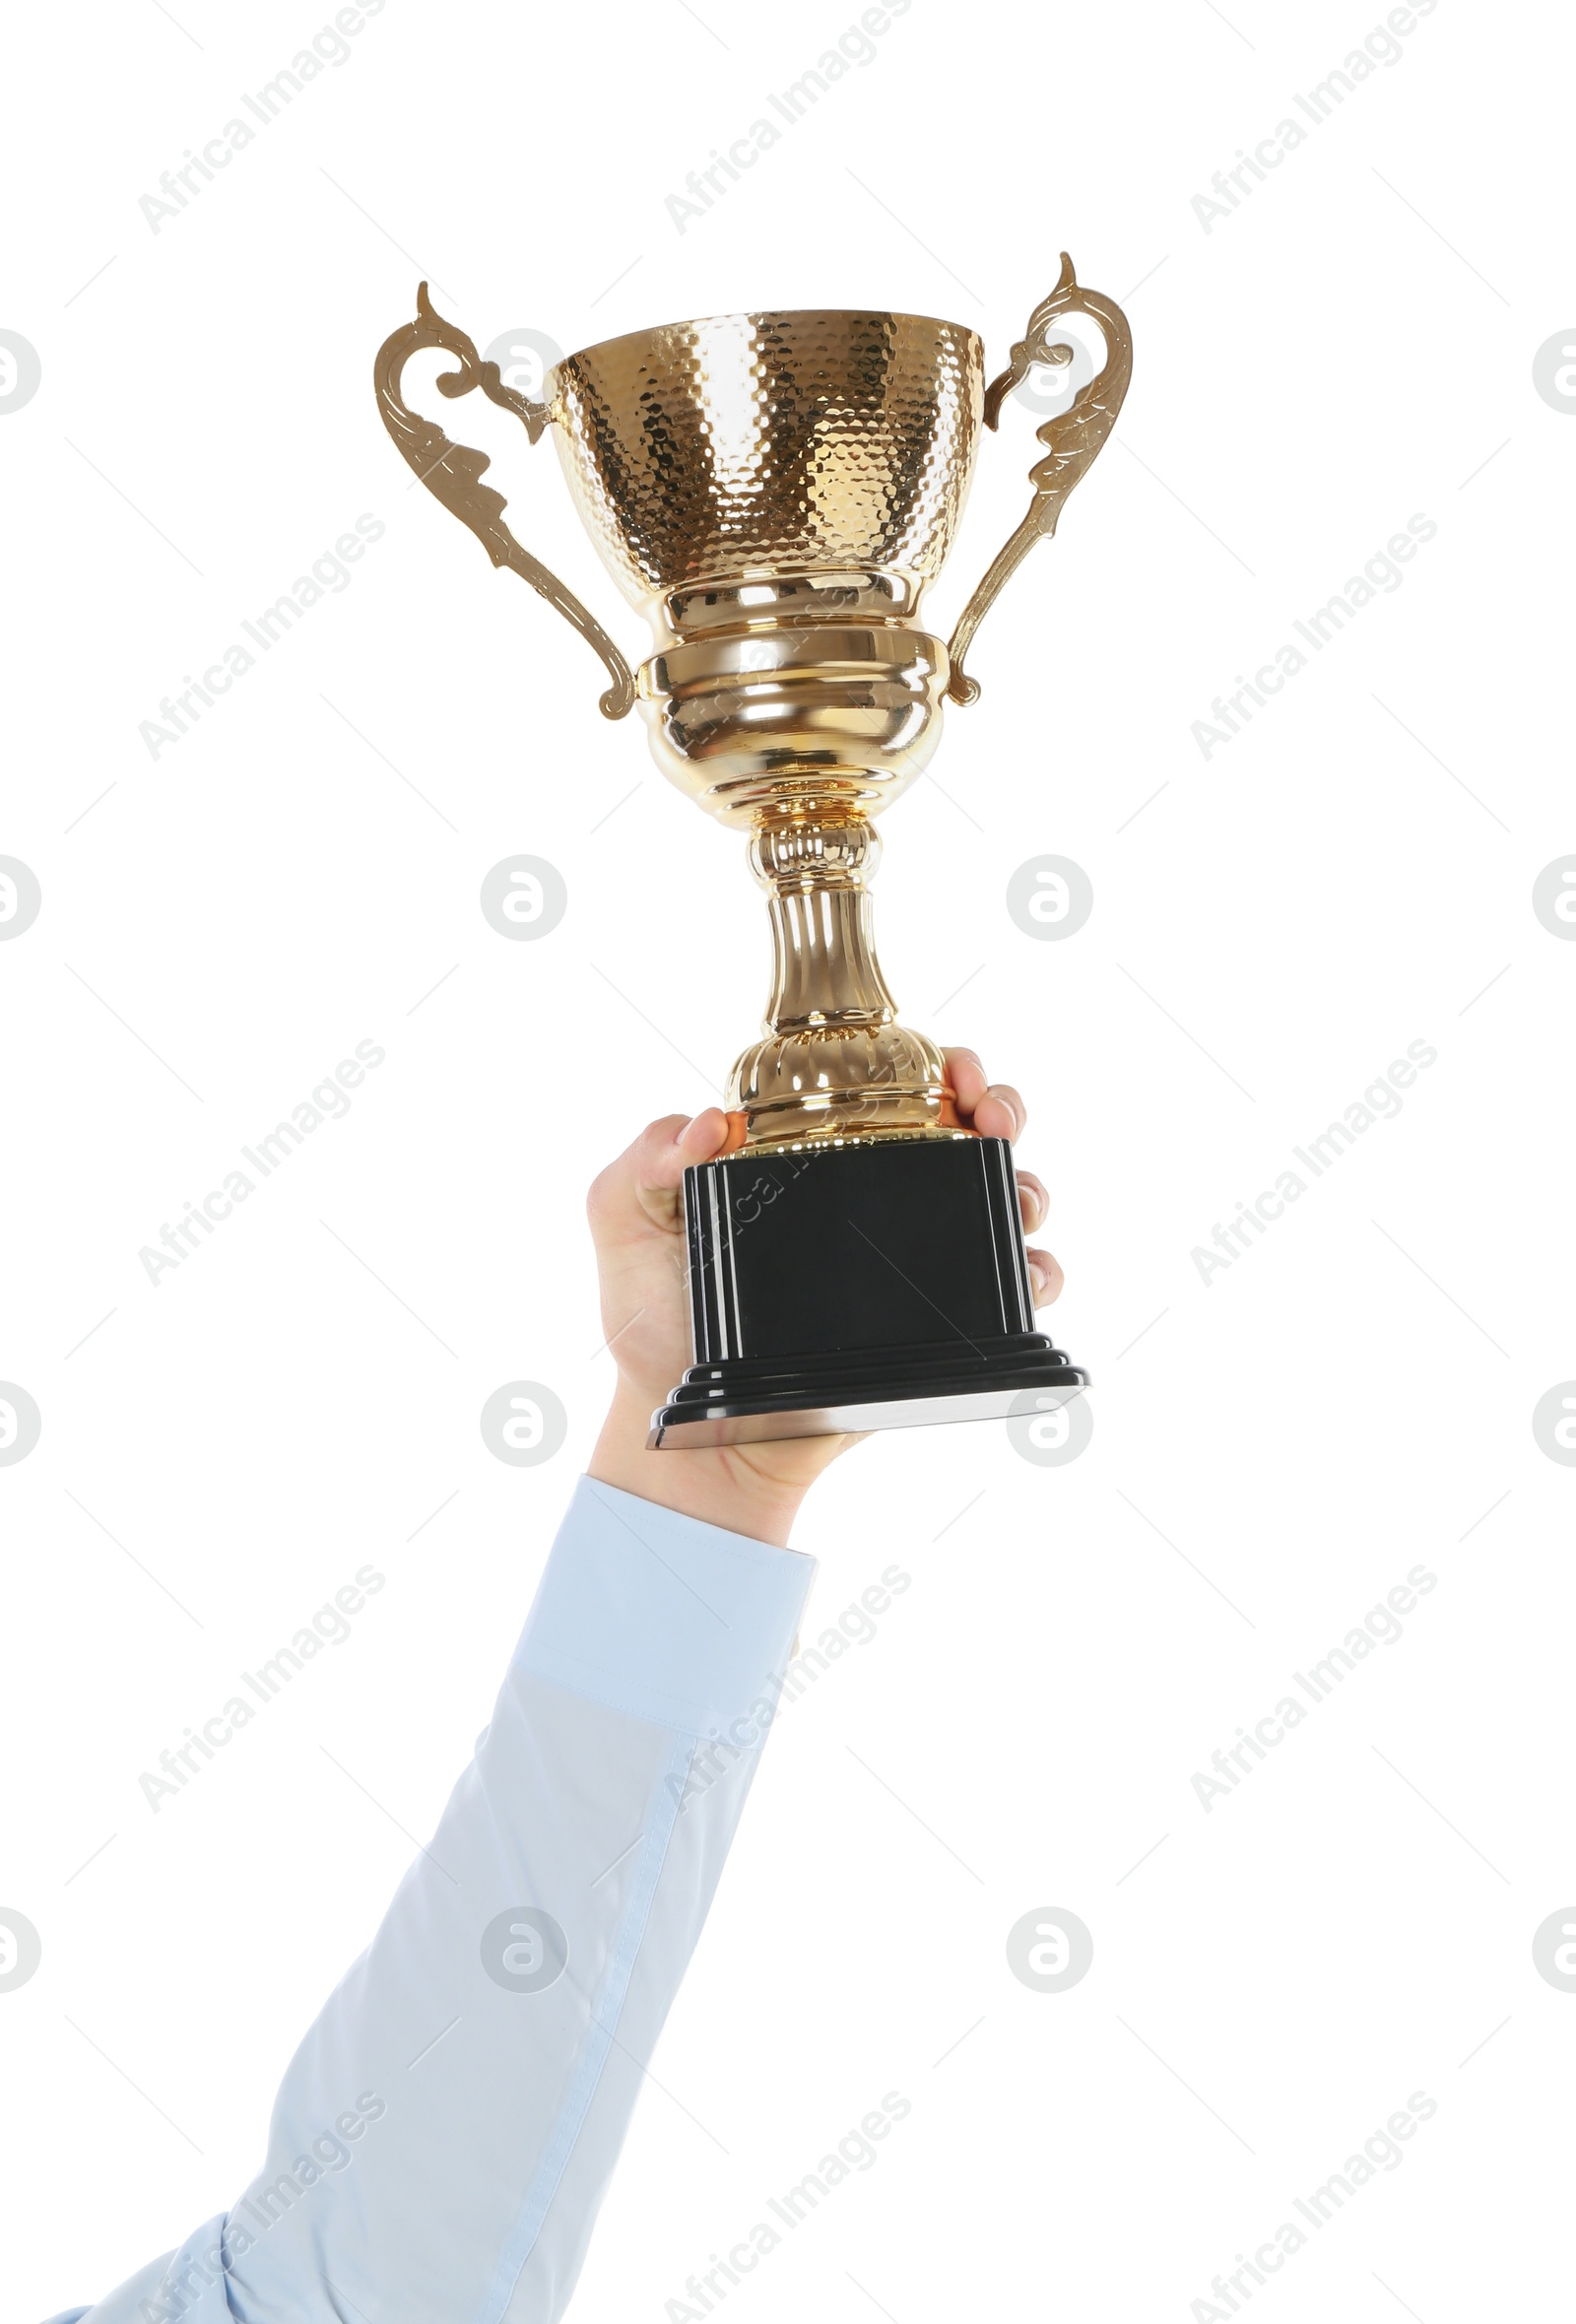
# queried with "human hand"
point(636, 1214)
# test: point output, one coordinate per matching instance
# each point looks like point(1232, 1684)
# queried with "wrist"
point(720, 1485)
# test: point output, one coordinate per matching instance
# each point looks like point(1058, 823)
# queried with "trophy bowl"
point(774, 492)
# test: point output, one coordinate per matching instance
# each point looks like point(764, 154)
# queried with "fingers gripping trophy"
point(774, 492)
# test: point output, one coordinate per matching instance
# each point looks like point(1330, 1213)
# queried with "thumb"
point(641, 1190)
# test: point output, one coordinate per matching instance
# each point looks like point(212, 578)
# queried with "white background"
point(1353, 344)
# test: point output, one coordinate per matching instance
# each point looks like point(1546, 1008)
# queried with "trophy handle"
point(1073, 440)
point(453, 473)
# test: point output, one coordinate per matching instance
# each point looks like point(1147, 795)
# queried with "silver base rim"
point(840, 1420)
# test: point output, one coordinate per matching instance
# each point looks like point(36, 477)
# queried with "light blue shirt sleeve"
point(446, 2132)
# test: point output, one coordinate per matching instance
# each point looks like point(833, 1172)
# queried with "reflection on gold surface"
point(774, 492)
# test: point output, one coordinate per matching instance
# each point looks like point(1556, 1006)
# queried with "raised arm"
point(446, 2132)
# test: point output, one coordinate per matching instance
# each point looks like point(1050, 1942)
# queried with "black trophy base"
point(843, 1288)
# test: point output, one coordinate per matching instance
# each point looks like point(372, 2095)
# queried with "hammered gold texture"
point(764, 444)
point(774, 492)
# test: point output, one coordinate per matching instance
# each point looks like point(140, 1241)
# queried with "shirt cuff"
point(661, 1615)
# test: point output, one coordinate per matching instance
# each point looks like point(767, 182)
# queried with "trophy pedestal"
point(877, 1285)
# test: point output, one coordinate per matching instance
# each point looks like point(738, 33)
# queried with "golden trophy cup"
point(774, 492)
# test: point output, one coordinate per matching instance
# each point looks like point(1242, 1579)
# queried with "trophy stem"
point(825, 970)
point(836, 1065)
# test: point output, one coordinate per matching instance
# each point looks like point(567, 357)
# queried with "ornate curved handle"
point(453, 472)
point(1073, 440)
